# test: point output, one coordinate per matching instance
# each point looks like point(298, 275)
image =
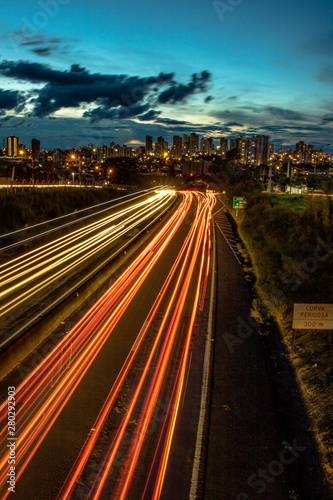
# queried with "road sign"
point(313, 317)
point(239, 202)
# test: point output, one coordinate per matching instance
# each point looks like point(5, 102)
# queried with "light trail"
point(139, 194)
point(47, 389)
point(42, 399)
point(194, 244)
point(64, 256)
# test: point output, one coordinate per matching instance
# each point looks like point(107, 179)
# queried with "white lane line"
point(233, 251)
point(205, 383)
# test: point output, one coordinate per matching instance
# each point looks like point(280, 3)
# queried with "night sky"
point(79, 71)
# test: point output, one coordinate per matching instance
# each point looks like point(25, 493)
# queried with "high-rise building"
point(259, 149)
point(161, 147)
point(223, 147)
point(262, 149)
point(186, 144)
point(12, 146)
point(301, 147)
point(194, 144)
point(35, 148)
point(149, 145)
point(177, 147)
point(303, 152)
point(57, 155)
point(241, 145)
point(128, 152)
point(204, 145)
point(210, 145)
point(103, 152)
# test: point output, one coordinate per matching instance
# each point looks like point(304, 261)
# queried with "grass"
point(27, 207)
point(280, 234)
point(295, 202)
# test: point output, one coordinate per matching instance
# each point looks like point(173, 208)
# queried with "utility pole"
point(269, 185)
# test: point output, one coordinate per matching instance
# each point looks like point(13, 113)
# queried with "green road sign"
point(239, 202)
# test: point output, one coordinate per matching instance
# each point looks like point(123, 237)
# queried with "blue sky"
point(76, 71)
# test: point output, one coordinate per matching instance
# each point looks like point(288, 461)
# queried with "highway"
point(36, 276)
point(96, 417)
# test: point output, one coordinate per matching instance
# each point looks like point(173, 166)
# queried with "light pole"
point(74, 160)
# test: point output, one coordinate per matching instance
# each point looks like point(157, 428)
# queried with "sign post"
point(238, 202)
point(312, 317)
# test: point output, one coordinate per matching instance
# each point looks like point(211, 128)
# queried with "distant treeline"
point(33, 205)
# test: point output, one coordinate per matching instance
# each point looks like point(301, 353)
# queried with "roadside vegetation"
point(289, 244)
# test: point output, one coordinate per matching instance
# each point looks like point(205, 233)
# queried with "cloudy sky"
point(80, 71)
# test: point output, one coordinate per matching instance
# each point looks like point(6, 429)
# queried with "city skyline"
point(255, 150)
point(73, 73)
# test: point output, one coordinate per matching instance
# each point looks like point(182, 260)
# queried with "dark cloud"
point(40, 44)
point(209, 98)
point(121, 113)
point(233, 124)
point(256, 115)
point(170, 121)
point(179, 92)
point(10, 99)
point(42, 51)
point(326, 74)
point(232, 98)
point(150, 116)
point(115, 96)
point(77, 86)
point(328, 118)
point(286, 114)
point(36, 40)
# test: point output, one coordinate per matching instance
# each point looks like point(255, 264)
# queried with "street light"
point(110, 175)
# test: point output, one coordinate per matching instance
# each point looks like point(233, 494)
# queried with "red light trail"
point(44, 393)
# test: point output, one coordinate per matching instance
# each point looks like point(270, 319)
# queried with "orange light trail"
point(27, 275)
point(46, 390)
point(43, 399)
point(194, 245)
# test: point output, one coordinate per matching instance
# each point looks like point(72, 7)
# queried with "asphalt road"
point(34, 278)
point(50, 465)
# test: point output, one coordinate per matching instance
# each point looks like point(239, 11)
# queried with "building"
point(223, 147)
point(204, 146)
point(304, 152)
point(259, 150)
point(35, 149)
point(241, 145)
point(193, 144)
point(262, 149)
point(177, 147)
point(102, 153)
point(161, 147)
point(12, 146)
point(128, 152)
point(149, 145)
point(186, 144)
point(210, 145)
point(57, 155)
